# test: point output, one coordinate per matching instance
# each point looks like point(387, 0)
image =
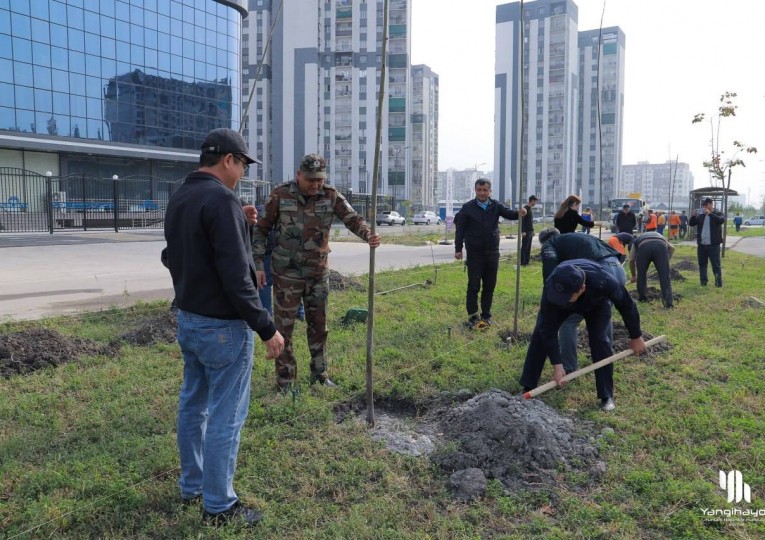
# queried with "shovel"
point(592, 367)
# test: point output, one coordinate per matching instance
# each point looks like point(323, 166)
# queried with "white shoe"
point(607, 404)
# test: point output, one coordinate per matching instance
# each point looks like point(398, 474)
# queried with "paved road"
point(42, 275)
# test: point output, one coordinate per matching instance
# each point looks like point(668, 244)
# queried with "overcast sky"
point(681, 55)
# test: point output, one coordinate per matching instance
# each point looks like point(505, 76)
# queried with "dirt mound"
point(621, 340)
point(521, 443)
point(674, 275)
point(338, 282)
point(524, 444)
point(160, 329)
point(652, 293)
point(27, 351)
point(686, 264)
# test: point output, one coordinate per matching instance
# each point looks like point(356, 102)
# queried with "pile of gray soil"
point(494, 435)
point(521, 443)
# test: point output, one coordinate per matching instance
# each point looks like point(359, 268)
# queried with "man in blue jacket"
point(477, 229)
point(708, 225)
point(584, 287)
point(210, 261)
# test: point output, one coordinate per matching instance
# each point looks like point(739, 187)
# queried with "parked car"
point(427, 218)
point(390, 218)
point(756, 220)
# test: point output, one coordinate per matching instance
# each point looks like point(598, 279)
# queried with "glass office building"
point(104, 87)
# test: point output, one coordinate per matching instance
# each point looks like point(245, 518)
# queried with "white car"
point(390, 218)
point(756, 220)
point(426, 218)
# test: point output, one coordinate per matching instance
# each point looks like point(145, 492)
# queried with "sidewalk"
point(43, 275)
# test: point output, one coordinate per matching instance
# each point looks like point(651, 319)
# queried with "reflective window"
point(22, 74)
point(57, 12)
point(24, 97)
point(6, 50)
point(5, 21)
point(6, 95)
point(58, 36)
point(21, 26)
point(43, 101)
point(42, 77)
point(7, 118)
point(135, 71)
point(75, 17)
point(41, 54)
point(20, 6)
point(40, 31)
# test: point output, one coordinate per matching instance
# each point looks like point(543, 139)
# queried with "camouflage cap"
point(313, 166)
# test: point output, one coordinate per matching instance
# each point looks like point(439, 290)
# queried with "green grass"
point(87, 450)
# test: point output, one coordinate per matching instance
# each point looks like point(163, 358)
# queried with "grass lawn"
point(87, 450)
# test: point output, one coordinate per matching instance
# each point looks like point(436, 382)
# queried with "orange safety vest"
point(652, 221)
point(618, 246)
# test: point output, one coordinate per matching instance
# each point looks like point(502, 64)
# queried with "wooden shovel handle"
point(592, 367)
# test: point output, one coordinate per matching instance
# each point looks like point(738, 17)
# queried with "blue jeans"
point(567, 334)
point(213, 404)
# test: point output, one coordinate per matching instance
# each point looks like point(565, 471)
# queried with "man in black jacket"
point(625, 220)
point(527, 231)
point(581, 287)
point(210, 261)
point(476, 228)
point(708, 225)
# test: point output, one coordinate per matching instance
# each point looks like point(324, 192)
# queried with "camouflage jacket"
point(302, 225)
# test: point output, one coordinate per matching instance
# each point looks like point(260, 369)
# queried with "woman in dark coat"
point(567, 217)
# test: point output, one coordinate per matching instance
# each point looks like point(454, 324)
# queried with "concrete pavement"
point(43, 275)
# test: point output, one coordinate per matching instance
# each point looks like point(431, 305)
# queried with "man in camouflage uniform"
point(301, 213)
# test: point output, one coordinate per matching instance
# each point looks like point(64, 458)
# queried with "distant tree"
point(720, 166)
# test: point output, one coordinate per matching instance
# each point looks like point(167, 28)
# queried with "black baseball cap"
point(227, 141)
point(708, 200)
point(565, 280)
point(533, 198)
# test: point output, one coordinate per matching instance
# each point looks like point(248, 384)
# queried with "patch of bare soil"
point(622, 341)
point(686, 264)
point(24, 352)
point(525, 444)
point(674, 275)
point(338, 282)
point(159, 329)
point(652, 294)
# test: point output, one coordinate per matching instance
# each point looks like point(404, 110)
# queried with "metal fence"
point(32, 202)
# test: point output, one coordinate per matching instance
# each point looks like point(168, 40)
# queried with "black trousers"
point(526, 248)
point(597, 320)
point(482, 267)
point(709, 254)
point(657, 253)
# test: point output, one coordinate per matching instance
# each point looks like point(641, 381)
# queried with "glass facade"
point(147, 72)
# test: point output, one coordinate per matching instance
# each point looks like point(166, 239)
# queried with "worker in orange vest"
point(674, 225)
point(652, 222)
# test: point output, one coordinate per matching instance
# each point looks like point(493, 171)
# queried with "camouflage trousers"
point(288, 292)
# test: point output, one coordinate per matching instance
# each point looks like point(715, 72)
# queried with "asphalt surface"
point(43, 275)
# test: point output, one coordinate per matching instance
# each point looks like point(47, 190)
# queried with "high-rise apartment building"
point(115, 88)
point(547, 141)
point(657, 183)
point(317, 91)
point(601, 68)
point(423, 152)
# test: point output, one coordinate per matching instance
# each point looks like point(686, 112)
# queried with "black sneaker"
point(238, 512)
point(487, 321)
point(188, 501)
